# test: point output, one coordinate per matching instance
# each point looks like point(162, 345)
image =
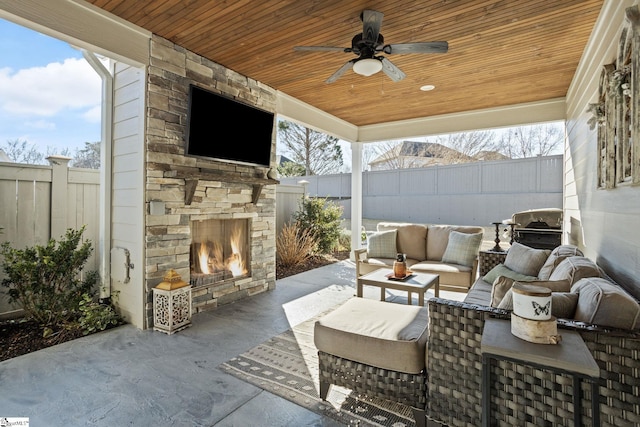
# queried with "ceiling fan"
point(369, 43)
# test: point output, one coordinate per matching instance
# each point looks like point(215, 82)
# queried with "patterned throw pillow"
point(462, 248)
point(382, 244)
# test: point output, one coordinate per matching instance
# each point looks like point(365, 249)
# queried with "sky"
point(49, 95)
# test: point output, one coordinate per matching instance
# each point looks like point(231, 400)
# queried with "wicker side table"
point(489, 259)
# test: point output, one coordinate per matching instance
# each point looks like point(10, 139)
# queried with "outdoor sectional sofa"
point(584, 299)
point(449, 388)
point(451, 251)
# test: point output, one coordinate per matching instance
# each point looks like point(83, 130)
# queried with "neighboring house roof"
point(419, 154)
point(490, 155)
point(3, 156)
point(280, 160)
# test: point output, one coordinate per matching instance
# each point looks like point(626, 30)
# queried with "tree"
point(18, 152)
point(531, 141)
point(318, 152)
point(88, 157)
point(466, 145)
point(291, 169)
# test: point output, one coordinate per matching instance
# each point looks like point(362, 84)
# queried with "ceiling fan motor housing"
point(365, 48)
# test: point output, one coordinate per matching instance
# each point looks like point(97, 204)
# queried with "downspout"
point(104, 243)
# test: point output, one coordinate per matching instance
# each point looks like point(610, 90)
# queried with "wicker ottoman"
point(375, 348)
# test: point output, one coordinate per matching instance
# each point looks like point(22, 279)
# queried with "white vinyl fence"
point(41, 202)
point(476, 193)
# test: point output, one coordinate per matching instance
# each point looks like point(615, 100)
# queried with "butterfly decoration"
point(538, 309)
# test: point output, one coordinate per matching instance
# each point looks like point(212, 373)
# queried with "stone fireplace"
point(213, 222)
point(219, 250)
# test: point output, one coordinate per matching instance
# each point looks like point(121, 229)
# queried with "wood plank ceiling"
point(501, 52)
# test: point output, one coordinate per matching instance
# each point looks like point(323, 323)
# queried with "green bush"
point(44, 280)
point(322, 218)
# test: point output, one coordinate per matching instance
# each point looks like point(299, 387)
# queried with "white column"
point(356, 196)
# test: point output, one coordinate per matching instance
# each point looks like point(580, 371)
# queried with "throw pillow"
point(601, 302)
point(575, 268)
point(500, 287)
point(382, 244)
point(462, 248)
point(525, 260)
point(563, 304)
point(556, 257)
point(501, 270)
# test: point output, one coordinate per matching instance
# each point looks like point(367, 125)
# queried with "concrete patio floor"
point(126, 376)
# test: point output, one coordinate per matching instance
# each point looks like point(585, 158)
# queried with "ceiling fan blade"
point(371, 22)
point(335, 76)
point(322, 49)
point(392, 71)
point(420, 47)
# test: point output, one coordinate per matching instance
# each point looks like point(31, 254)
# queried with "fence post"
point(59, 203)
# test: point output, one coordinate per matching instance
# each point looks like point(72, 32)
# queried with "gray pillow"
point(382, 244)
point(555, 258)
point(575, 268)
point(462, 248)
point(563, 304)
point(525, 260)
point(554, 286)
point(601, 302)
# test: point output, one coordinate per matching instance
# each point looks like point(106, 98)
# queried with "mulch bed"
point(18, 337)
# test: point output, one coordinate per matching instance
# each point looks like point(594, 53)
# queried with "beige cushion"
point(382, 244)
point(502, 270)
point(575, 268)
point(556, 257)
point(601, 302)
point(500, 287)
point(410, 239)
point(525, 260)
point(554, 286)
point(462, 248)
point(377, 333)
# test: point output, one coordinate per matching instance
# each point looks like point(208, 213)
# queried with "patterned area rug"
point(287, 365)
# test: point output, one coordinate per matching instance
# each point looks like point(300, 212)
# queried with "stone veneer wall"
point(168, 239)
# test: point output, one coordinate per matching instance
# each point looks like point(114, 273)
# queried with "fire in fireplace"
point(219, 250)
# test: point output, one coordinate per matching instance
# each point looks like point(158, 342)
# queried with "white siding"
point(128, 186)
point(604, 223)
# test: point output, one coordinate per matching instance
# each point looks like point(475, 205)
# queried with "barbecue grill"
point(538, 228)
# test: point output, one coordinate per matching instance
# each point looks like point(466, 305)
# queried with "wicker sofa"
point(454, 362)
point(429, 249)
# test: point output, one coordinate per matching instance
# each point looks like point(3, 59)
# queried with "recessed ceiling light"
point(427, 88)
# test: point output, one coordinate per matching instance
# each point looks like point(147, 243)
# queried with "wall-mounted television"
point(221, 128)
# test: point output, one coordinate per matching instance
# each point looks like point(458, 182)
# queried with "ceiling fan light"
point(367, 66)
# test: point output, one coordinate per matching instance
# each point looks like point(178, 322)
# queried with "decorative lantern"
point(171, 304)
point(531, 319)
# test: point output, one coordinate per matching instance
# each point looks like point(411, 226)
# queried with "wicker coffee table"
point(417, 282)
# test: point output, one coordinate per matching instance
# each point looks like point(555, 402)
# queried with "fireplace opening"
point(219, 250)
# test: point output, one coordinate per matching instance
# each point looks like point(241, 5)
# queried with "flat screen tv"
point(222, 128)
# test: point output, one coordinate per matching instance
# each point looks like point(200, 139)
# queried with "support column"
point(356, 196)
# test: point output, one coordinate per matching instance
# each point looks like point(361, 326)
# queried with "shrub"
point(294, 245)
point(96, 317)
point(44, 280)
point(322, 218)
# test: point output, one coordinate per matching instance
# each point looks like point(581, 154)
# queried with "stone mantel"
point(193, 175)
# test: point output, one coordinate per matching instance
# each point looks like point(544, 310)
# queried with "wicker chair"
point(454, 364)
point(408, 389)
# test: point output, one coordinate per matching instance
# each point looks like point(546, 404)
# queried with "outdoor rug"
point(287, 365)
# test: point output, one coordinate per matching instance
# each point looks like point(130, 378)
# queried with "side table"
point(571, 356)
point(489, 259)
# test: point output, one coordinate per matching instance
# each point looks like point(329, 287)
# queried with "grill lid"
point(550, 218)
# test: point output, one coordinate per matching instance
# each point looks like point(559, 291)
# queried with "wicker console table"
point(489, 259)
point(571, 357)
